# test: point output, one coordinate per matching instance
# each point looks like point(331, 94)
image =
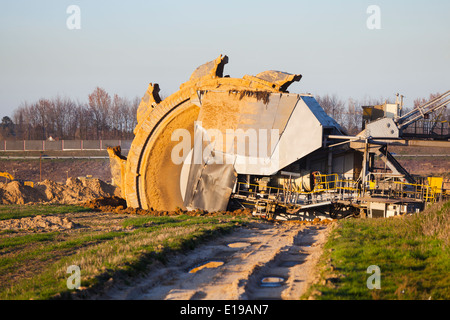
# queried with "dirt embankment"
point(426, 166)
point(423, 161)
point(57, 170)
point(74, 191)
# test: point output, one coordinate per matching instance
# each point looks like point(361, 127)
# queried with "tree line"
point(350, 115)
point(113, 117)
point(102, 117)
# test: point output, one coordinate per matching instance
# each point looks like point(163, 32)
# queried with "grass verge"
point(412, 253)
point(34, 265)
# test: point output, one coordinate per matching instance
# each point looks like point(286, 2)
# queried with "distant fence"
point(62, 145)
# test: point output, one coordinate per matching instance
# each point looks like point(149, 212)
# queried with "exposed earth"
point(73, 191)
point(38, 223)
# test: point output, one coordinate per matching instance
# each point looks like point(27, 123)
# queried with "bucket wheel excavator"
point(245, 141)
point(149, 177)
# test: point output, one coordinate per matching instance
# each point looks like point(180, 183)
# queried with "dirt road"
point(260, 261)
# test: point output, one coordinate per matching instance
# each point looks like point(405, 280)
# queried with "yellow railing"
point(330, 183)
point(426, 192)
point(322, 184)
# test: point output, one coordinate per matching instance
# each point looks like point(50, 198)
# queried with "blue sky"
point(124, 45)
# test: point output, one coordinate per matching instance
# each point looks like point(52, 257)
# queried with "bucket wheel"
point(150, 178)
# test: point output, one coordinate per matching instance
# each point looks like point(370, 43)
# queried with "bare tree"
point(63, 118)
point(333, 106)
point(99, 106)
point(353, 117)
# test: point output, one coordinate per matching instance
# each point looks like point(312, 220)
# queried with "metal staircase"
point(423, 112)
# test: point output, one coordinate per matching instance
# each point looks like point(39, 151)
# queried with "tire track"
point(233, 267)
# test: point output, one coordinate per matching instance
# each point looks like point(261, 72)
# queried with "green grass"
point(412, 253)
point(33, 266)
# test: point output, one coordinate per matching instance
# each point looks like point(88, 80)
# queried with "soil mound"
point(107, 204)
point(74, 191)
point(119, 205)
point(101, 188)
point(16, 193)
point(39, 223)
